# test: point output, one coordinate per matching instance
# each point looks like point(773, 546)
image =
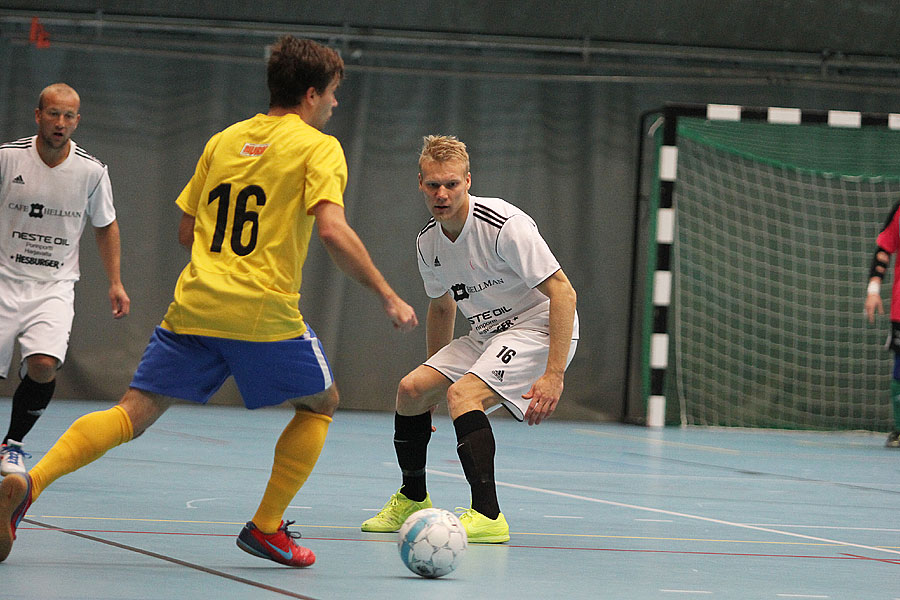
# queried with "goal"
point(763, 225)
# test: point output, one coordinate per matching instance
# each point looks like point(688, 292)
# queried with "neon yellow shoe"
point(482, 530)
point(394, 513)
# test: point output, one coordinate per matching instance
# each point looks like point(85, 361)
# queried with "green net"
point(775, 229)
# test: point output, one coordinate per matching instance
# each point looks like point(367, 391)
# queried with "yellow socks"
point(85, 441)
point(296, 454)
point(92, 435)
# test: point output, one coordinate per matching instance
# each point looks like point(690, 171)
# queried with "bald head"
point(57, 118)
point(59, 91)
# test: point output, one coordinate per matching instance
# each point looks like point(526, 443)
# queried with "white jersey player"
point(49, 190)
point(45, 210)
point(485, 257)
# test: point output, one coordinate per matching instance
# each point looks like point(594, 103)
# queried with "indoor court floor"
point(596, 511)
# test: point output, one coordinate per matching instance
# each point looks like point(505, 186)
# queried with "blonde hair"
point(443, 148)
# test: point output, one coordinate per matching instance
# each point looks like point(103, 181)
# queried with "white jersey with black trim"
point(44, 210)
point(492, 269)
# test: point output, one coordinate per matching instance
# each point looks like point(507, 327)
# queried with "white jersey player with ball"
point(484, 257)
point(50, 189)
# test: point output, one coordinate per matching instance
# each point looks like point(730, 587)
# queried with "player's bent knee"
point(469, 393)
point(418, 392)
point(324, 403)
point(42, 368)
point(407, 390)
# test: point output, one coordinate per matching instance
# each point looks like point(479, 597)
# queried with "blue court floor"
point(596, 511)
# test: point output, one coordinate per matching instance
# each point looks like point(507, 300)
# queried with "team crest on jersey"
point(37, 211)
point(253, 149)
point(459, 292)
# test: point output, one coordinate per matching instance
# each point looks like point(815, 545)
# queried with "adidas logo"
point(19, 179)
point(437, 263)
point(498, 374)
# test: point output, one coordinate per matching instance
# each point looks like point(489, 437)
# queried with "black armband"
point(879, 263)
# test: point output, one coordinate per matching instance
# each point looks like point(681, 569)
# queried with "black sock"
point(411, 437)
point(475, 447)
point(29, 401)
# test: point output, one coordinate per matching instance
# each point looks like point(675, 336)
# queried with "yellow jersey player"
point(249, 212)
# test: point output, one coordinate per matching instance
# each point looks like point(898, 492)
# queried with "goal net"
point(775, 228)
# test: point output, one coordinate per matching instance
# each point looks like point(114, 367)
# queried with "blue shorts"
point(194, 367)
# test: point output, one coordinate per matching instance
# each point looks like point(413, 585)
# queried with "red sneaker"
point(278, 546)
point(15, 498)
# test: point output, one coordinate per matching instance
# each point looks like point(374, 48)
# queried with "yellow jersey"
point(251, 197)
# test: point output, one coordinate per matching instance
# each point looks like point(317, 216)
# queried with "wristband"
point(874, 288)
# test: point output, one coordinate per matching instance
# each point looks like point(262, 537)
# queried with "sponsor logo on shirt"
point(39, 211)
point(462, 291)
point(498, 375)
point(489, 320)
point(37, 237)
point(253, 149)
point(41, 262)
point(19, 180)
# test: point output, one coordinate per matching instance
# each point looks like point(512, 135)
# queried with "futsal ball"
point(432, 542)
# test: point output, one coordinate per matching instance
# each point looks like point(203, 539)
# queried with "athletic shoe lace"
point(386, 509)
point(15, 455)
point(464, 513)
point(291, 534)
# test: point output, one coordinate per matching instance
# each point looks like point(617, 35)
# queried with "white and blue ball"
point(432, 542)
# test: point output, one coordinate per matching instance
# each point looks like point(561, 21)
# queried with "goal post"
point(762, 227)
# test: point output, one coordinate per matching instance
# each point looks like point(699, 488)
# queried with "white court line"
point(686, 591)
point(561, 517)
point(801, 596)
point(881, 529)
point(676, 514)
point(190, 503)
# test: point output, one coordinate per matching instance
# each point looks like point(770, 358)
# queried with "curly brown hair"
point(295, 65)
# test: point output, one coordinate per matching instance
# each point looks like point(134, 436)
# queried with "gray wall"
point(550, 113)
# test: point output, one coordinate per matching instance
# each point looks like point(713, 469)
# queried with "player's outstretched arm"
point(110, 254)
point(350, 255)
point(546, 391)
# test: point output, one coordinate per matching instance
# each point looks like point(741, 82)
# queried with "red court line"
point(842, 556)
point(884, 560)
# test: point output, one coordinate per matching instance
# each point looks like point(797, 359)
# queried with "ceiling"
point(852, 44)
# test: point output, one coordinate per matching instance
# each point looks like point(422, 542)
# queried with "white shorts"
point(39, 315)
point(509, 363)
